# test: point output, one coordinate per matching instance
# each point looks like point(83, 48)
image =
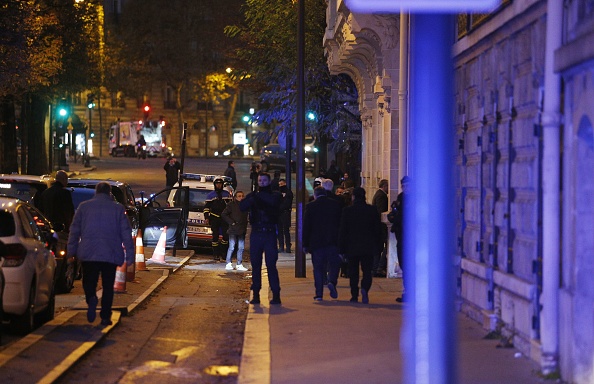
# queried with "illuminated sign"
point(397, 6)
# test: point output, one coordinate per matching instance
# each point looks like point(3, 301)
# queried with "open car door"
point(168, 208)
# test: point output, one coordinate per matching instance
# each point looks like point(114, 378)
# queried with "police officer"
point(264, 209)
point(215, 205)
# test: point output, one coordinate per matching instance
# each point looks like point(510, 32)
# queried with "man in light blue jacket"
point(101, 238)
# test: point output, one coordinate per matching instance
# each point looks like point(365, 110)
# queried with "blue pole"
point(429, 336)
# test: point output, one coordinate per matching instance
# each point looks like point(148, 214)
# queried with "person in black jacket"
point(284, 220)
point(172, 168)
point(401, 207)
point(230, 172)
point(237, 222)
point(359, 240)
point(264, 209)
point(56, 202)
point(321, 223)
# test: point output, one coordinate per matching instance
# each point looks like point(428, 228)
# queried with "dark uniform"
point(216, 202)
point(264, 209)
point(56, 202)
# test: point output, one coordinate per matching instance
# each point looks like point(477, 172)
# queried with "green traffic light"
point(62, 112)
point(311, 116)
point(246, 119)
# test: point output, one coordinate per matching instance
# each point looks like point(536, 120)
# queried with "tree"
point(268, 53)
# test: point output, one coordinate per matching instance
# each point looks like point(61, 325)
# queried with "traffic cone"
point(159, 253)
point(130, 272)
point(140, 262)
point(119, 286)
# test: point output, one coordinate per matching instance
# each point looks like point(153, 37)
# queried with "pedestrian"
point(334, 172)
point(359, 240)
point(141, 147)
point(172, 168)
point(284, 219)
point(321, 223)
point(56, 202)
point(230, 172)
point(274, 182)
point(216, 202)
point(254, 171)
point(401, 207)
point(237, 222)
point(347, 182)
point(317, 182)
point(101, 238)
point(264, 209)
point(380, 201)
point(328, 185)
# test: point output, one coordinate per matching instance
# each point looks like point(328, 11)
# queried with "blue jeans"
point(325, 262)
point(240, 241)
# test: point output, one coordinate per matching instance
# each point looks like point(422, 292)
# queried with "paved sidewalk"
point(335, 341)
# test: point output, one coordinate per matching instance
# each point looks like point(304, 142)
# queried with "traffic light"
point(90, 101)
point(92, 134)
point(146, 109)
point(63, 109)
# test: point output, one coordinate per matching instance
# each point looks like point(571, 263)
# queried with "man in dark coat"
point(321, 223)
point(264, 209)
point(359, 240)
point(230, 172)
point(172, 168)
point(401, 207)
point(56, 202)
point(380, 201)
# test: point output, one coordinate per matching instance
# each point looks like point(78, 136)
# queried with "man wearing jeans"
point(99, 234)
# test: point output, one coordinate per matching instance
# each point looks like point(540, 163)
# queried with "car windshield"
point(7, 226)
point(28, 191)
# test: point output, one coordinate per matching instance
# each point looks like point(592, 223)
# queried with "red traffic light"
point(147, 108)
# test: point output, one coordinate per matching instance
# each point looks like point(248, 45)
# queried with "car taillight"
point(15, 255)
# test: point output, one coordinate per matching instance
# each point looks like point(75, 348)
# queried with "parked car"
point(200, 186)
point(230, 150)
point(29, 267)
point(29, 189)
point(25, 187)
point(273, 156)
point(84, 189)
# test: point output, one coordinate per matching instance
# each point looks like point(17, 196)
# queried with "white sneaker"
point(229, 267)
point(240, 267)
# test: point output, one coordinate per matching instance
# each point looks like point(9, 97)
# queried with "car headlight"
point(227, 153)
point(216, 153)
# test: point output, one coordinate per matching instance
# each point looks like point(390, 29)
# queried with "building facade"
point(523, 167)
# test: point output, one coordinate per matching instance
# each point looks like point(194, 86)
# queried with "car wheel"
point(48, 313)
point(25, 323)
point(67, 276)
point(264, 166)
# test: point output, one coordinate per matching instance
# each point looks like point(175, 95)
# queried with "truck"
point(124, 135)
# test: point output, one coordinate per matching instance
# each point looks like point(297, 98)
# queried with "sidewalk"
point(335, 341)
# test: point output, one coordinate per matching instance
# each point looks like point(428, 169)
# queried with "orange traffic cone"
point(130, 272)
point(140, 262)
point(159, 253)
point(119, 286)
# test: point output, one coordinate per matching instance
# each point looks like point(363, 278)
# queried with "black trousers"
point(284, 233)
point(366, 263)
point(91, 272)
point(264, 242)
point(218, 227)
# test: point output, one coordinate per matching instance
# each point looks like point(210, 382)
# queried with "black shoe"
point(364, 296)
point(275, 299)
point(354, 300)
point(92, 310)
point(281, 250)
point(400, 299)
point(288, 250)
point(106, 322)
point(333, 292)
point(255, 299)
